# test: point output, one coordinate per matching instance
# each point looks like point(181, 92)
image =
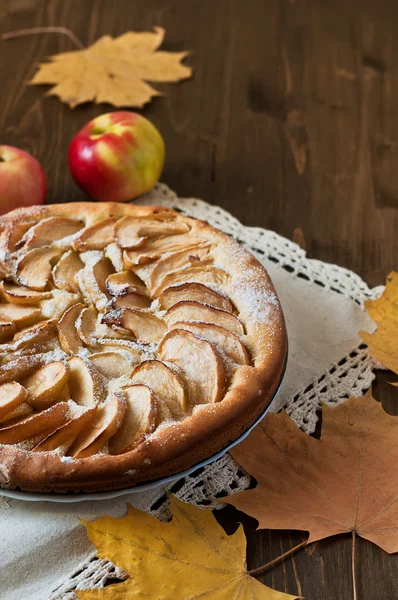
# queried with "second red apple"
point(117, 156)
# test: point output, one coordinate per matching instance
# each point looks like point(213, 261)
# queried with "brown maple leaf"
point(383, 343)
point(113, 70)
point(345, 482)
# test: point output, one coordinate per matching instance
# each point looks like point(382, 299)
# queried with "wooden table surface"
point(291, 123)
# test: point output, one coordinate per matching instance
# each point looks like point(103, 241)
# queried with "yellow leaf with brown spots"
point(189, 557)
point(113, 70)
point(383, 343)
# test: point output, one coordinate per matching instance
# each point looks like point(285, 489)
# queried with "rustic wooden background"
point(290, 123)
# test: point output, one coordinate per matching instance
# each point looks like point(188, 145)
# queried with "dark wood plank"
point(290, 123)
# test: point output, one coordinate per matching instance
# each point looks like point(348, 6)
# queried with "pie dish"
point(134, 343)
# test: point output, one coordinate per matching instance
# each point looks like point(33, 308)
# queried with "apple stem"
point(277, 559)
point(36, 30)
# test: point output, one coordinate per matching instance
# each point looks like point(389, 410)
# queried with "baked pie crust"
point(134, 343)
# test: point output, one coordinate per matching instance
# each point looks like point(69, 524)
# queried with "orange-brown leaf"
point(383, 343)
point(113, 70)
point(346, 481)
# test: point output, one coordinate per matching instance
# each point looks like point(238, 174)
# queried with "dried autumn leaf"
point(190, 557)
point(344, 482)
point(113, 70)
point(383, 343)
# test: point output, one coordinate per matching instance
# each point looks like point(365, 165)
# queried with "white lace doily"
point(327, 363)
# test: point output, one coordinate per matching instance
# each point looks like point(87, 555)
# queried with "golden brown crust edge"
point(177, 447)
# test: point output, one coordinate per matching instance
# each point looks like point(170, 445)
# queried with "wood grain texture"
point(290, 122)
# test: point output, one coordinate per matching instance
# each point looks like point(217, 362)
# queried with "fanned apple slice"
point(226, 342)
point(16, 414)
point(69, 338)
point(95, 276)
point(200, 363)
point(210, 276)
point(120, 345)
point(38, 424)
point(111, 364)
point(145, 326)
point(177, 261)
point(104, 425)
point(40, 337)
point(7, 329)
point(49, 230)
point(12, 395)
point(21, 316)
point(119, 284)
point(131, 300)
point(86, 325)
point(115, 255)
point(166, 385)
point(45, 385)
point(154, 249)
point(97, 236)
point(66, 435)
point(65, 271)
point(12, 236)
point(85, 383)
point(19, 367)
point(19, 294)
point(34, 267)
point(134, 231)
point(193, 291)
point(139, 420)
point(190, 310)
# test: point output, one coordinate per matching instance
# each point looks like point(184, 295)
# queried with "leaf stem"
point(278, 559)
point(36, 30)
point(354, 583)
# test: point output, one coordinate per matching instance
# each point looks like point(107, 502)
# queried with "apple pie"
point(135, 342)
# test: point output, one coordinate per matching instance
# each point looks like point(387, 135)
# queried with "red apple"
point(117, 156)
point(22, 179)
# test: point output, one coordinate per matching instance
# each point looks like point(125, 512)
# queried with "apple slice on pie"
point(154, 249)
point(68, 335)
point(47, 231)
point(46, 384)
point(7, 329)
point(189, 310)
point(131, 300)
point(207, 275)
point(96, 237)
point(139, 419)
point(66, 270)
point(12, 395)
point(226, 342)
point(131, 232)
point(38, 424)
point(120, 284)
point(146, 326)
point(21, 316)
point(19, 294)
point(199, 362)
point(66, 435)
point(166, 385)
point(103, 426)
point(199, 255)
point(34, 267)
point(194, 291)
point(111, 364)
point(85, 383)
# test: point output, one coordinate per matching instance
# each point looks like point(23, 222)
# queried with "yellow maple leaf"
point(189, 557)
point(113, 70)
point(383, 343)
